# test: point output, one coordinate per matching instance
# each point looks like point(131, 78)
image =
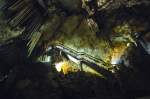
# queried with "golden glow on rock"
point(59, 66)
point(117, 53)
point(65, 67)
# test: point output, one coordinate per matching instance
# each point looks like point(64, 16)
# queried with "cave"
point(74, 49)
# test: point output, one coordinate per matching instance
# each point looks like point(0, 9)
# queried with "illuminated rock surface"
point(116, 44)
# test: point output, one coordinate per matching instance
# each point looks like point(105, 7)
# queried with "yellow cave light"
point(65, 67)
point(115, 60)
point(117, 53)
point(58, 66)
